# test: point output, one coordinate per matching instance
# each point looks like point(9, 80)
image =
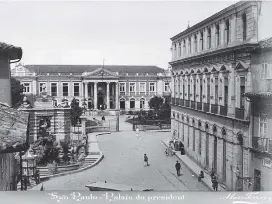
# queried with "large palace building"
point(211, 72)
point(96, 86)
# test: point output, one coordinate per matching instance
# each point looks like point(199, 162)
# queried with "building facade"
point(261, 117)
point(211, 72)
point(97, 87)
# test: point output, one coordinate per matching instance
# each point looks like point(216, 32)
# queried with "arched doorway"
point(142, 103)
point(224, 176)
point(215, 149)
point(122, 103)
point(207, 145)
point(132, 103)
point(240, 166)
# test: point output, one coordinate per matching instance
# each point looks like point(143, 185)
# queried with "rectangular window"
point(264, 71)
point(132, 87)
point(263, 126)
point(42, 87)
point(65, 89)
point(26, 87)
point(54, 89)
point(142, 87)
point(152, 87)
point(76, 89)
point(122, 87)
point(242, 98)
point(166, 86)
point(142, 103)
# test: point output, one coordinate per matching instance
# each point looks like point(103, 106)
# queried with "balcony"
point(199, 105)
point(224, 110)
point(187, 104)
point(262, 144)
point(122, 93)
point(193, 104)
point(214, 108)
point(240, 113)
point(206, 107)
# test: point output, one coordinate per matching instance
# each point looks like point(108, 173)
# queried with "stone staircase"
point(89, 160)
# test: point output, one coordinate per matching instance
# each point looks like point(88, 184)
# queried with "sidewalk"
point(194, 168)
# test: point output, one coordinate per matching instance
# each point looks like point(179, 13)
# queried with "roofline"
point(216, 15)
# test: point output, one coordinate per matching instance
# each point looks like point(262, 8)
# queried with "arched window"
point(217, 35)
point(132, 103)
point(244, 21)
point(175, 51)
point(190, 45)
point(214, 129)
point(195, 43)
point(184, 47)
point(209, 38)
point(227, 32)
point(201, 41)
point(179, 51)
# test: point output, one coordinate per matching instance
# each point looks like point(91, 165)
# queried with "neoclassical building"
point(96, 86)
point(211, 72)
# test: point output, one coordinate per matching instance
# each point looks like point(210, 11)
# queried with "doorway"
point(100, 101)
point(215, 154)
point(207, 150)
point(122, 104)
point(257, 180)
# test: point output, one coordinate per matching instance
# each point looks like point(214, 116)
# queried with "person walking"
point(145, 160)
point(215, 183)
point(178, 166)
point(103, 118)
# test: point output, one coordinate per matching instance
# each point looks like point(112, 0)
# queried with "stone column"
point(116, 96)
point(108, 95)
point(95, 95)
point(82, 90)
point(86, 90)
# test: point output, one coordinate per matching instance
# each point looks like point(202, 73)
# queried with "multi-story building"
point(261, 117)
point(211, 71)
point(106, 87)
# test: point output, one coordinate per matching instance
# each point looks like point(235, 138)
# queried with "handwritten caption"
point(110, 196)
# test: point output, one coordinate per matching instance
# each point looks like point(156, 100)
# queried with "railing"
point(187, 104)
point(193, 104)
point(214, 108)
point(206, 107)
point(224, 110)
point(199, 105)
point(261, 144)
point(240, 113)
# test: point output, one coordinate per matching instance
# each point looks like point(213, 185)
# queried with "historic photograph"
point(136, 96)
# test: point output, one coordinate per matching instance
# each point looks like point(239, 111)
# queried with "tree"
point(156, 103)
point(16, 92)
point(76, 112)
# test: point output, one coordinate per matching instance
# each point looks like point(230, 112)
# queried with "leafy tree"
point(16, 92)
point(76, 112)
point(156, 103)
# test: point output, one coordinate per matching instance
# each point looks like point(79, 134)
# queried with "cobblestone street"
point(123, 164)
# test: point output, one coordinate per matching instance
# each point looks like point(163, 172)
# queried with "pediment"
point(21, 69)
point(101, 72)
point(241, 66)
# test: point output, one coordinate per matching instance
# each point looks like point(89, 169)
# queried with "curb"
point(190, 169)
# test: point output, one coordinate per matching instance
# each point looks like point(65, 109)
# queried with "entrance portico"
point(101, 94)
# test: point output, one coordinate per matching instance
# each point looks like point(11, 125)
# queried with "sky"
point(86, 32)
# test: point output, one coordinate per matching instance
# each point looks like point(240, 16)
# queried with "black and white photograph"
point(136, 96)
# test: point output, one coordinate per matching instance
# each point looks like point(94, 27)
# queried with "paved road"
point(123, 163)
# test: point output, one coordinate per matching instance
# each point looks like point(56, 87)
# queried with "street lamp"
point(29, 166)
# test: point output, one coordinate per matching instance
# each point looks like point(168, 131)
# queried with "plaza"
point(123, 164)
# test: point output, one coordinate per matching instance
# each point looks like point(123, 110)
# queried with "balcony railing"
point(199, 105)
point(240, 113)
point(206, 107)
point(214, 108)
point(262, 144)
point(193, 104)
point(224, 110)
point(187, 104)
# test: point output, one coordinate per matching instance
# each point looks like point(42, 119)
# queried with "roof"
point(14, 126)
point(209, 19)
point(259, 95)
point(90, 68)
point(14, 53)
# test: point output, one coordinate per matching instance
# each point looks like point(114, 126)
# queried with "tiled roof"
point(14, 53)
point(259, 95)
point(13, 131)
point(90, 68)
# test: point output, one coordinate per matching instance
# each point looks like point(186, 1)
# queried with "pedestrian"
point(200, 175)
point(103, 118)
point(145, 160)
point(215, 184)
point(137, 132)
point(178, 166)
point(37, 176)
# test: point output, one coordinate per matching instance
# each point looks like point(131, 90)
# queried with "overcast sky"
point(124, 32)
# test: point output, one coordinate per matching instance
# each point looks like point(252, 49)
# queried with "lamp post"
point(28, 167)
